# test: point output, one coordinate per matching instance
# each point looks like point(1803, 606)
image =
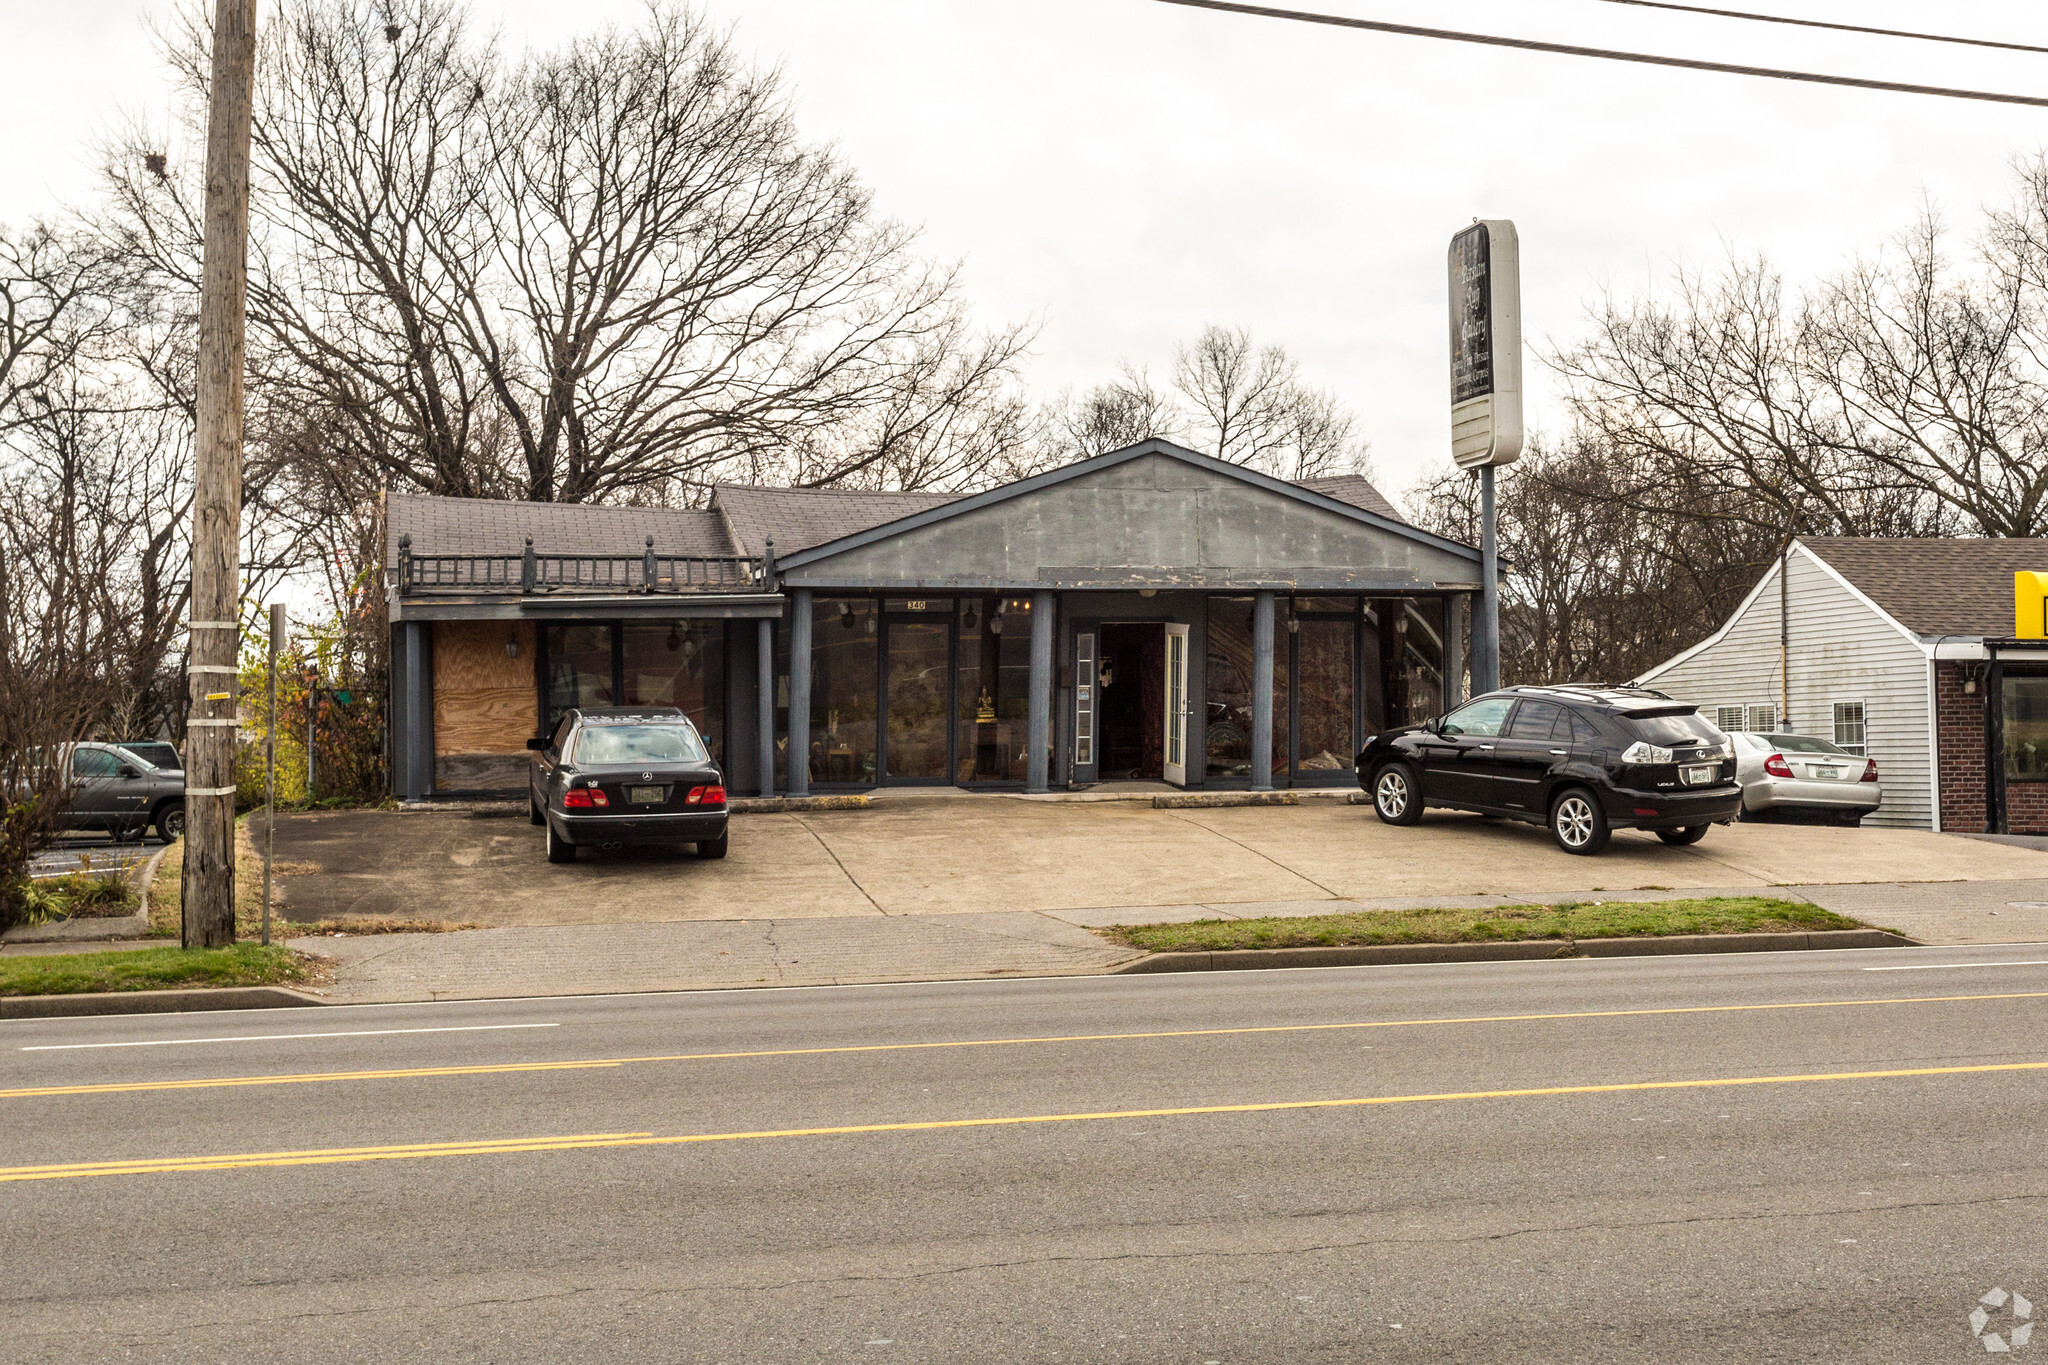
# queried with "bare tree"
point(1247, 404)
point(1596, 587)
point(1111, 416)
point(609, 271)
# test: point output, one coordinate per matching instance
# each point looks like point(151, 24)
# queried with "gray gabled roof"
point(493, 526)
point(799, 518)
point(1155, 446)
point(1935, 586)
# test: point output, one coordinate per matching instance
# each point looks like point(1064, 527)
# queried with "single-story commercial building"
point(1150, 613)
point(1902, 649)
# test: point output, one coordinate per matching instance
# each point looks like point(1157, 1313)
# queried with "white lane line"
point(1941, 966)
point(273, 1037)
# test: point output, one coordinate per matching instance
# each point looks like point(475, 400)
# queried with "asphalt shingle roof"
point(1356, 490)
point(1935, 586)
point(484, 526)
point(799, 518)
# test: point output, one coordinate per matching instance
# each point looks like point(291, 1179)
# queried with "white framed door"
point(1176, 712)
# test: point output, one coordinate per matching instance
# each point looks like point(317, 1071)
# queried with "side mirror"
point(129, 772)
point(538, 742)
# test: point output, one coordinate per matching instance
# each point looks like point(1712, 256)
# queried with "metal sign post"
point(1486, 400)
point(270, 764)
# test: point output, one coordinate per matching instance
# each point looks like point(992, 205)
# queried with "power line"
point(1822, 23)
point(1608, 54)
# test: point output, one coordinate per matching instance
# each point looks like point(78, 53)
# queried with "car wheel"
point(1679, 838)
point(1577, 822)
point(714, 848)
point(558, 851)
point(170, 822)
point(533, 815)
point(1395, 797)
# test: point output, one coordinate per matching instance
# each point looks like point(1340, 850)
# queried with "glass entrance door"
point(1175, 767)
point(917, 692)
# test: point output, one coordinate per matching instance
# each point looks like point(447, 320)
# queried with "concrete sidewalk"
point(721, 954)
point(955, 885)
point(994, 854)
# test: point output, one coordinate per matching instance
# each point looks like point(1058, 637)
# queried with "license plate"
point(1829, 773)
point(645, 796)
point(1698, 777)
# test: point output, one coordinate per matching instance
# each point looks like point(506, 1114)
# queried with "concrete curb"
point(95, 927)
point(1527, 950)
point(1206, 800)
point(153, 1002)
point(776, 805)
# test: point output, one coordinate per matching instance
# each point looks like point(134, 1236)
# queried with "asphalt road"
point(1620, 1160)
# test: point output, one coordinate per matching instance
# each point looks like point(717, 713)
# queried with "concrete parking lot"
point(1085, 863)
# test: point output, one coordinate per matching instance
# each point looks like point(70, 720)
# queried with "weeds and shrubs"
point(78, 895)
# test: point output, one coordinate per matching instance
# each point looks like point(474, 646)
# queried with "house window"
point(2026, 728)
point(1728, 718)
point(1849, 726)
point(1763, 719)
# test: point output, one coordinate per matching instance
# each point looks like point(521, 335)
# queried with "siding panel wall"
point(1841, 651)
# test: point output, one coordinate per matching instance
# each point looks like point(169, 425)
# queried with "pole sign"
point(1486, 345)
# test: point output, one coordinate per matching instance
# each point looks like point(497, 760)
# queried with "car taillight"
point(706, 796)
point(584, 797)
point(1776, 766)
point(1870, 770)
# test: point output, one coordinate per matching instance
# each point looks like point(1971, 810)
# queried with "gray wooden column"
point(1038, 734)
point(765, 672)
point(417, 763)
point(1454, 651)
point(799, 692)
point(1262, 692)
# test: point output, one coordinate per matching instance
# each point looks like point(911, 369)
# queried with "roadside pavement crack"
point(1769, 1215)
point(1292, 872)
point(841, 866)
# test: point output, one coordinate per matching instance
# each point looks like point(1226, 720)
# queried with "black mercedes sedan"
point(614, 776)
point(1585, 761)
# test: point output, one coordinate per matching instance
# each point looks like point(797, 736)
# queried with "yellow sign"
point(2030, 606)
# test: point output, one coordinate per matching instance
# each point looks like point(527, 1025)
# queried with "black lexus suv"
point(1583, 760)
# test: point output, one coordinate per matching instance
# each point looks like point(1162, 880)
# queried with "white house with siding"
point(1890, 648)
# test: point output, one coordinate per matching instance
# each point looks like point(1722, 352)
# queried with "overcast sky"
point(1123, 171)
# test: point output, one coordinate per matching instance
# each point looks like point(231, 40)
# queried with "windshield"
point(1802, 744)
point(1673, 730)
point(671, 742)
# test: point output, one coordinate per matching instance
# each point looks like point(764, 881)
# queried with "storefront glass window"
point(579, 667)
point(679, 663)
point(844, 644)
point(2026, 728)
point(1325, 646)
point(992, 695)
point(1409, 634)
point(1230, 687)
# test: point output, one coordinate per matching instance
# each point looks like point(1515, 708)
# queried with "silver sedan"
point(1794, 775)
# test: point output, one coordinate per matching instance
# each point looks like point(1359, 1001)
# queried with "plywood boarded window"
point(483, 691)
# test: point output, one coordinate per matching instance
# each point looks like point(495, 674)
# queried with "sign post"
point(1486, 400)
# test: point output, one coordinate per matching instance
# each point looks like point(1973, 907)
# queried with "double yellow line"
point(600, 1063)
point(507, 1146)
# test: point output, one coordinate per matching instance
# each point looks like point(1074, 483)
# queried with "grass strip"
point(1494, 924)
point(151, 969)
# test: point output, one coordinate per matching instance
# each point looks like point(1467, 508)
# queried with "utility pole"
point(209, 880)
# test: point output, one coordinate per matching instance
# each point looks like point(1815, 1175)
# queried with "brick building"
point(1901, 649)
